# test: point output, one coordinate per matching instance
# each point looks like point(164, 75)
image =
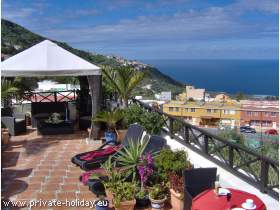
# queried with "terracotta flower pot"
point(5, 137)
point(176, 200)
point(157, 204)
point(121, 134)
point(126, 205)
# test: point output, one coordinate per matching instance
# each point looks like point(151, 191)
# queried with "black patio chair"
point(196, 181)
point(134, 133)
point(155, 145)
point(15, 122)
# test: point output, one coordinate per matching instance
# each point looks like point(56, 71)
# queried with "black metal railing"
point(258, 170)
point(48, 96)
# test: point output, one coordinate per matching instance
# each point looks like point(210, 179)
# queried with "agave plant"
point(111, 118)
point(130, 157)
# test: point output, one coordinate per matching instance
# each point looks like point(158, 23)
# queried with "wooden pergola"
point(48, 59)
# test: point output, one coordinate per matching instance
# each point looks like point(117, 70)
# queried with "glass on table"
point(217, 186)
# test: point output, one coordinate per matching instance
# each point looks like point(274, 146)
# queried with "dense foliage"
point(172, 161)
point(151, 121)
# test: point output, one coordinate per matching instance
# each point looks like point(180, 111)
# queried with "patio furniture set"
point(40, 113)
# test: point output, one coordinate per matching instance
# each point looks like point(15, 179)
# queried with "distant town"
point(199, 108)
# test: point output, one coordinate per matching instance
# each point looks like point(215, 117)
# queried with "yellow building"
point(205, 113)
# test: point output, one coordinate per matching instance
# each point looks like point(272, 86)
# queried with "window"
point(273, 114)
point(250, 113)
point(186, 109)
point(266, 123)
point(266, 114)
point(231, 112)
point(209, 110)
point(192, 109)
point(171, 109)
point(256, 113)
point(177, 109)
point(255, 122)
point(215, 110)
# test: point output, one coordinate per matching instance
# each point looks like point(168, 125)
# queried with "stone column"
point(94, 82)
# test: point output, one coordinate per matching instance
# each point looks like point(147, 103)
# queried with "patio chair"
point(15, 122)
point(196, 181)
point(134, 133)
point(155, 145)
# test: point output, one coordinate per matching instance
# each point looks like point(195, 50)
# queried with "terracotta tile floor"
point(38, 167)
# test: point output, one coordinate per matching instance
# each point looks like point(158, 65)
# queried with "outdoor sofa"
point(15, 122)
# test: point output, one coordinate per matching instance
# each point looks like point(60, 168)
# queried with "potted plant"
point(5, 136)
point(145, 170)
point(111, 118)
point(157, 195)
point(54, 119)
point(172, 164)
point(121, 192)
point(123, 195)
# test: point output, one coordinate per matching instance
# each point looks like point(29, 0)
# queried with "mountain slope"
point(15, 39)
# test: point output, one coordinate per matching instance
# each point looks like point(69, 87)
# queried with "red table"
point(208, 200)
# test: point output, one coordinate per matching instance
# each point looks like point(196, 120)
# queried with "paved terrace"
point(39, 167)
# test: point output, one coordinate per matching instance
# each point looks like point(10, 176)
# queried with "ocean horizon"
point(254, 77)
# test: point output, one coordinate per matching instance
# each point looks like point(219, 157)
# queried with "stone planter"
point(176, 200)
point(126, 205)
point(157, 204)
point(121, 134)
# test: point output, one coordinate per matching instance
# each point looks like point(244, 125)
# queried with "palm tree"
point(7, 89)
point(124, 80)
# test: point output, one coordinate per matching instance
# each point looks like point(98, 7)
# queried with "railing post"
point(205, 148)
point(171, 127)
point(187, 134)
point(55, 96)
point(264, 176)
point(230, 156)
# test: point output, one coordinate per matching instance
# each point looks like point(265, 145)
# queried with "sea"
point(254, 77)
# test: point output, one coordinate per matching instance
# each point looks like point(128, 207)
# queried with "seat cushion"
point(41, 115)
point(86, 118)
point(20, 120)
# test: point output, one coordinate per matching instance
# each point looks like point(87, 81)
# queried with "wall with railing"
point(258, 170)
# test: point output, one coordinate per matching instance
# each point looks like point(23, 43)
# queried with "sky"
point(155, 29)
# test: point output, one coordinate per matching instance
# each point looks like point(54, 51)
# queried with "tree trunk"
point(94, 82)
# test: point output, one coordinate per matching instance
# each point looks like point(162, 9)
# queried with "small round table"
point(208, 200)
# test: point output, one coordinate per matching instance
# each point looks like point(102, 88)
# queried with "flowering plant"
point(145, 170)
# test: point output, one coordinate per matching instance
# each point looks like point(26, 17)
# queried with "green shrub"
point(232, 135)
point(151, 121)
point(172, 161)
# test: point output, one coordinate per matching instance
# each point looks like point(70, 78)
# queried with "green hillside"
point(15, 39)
